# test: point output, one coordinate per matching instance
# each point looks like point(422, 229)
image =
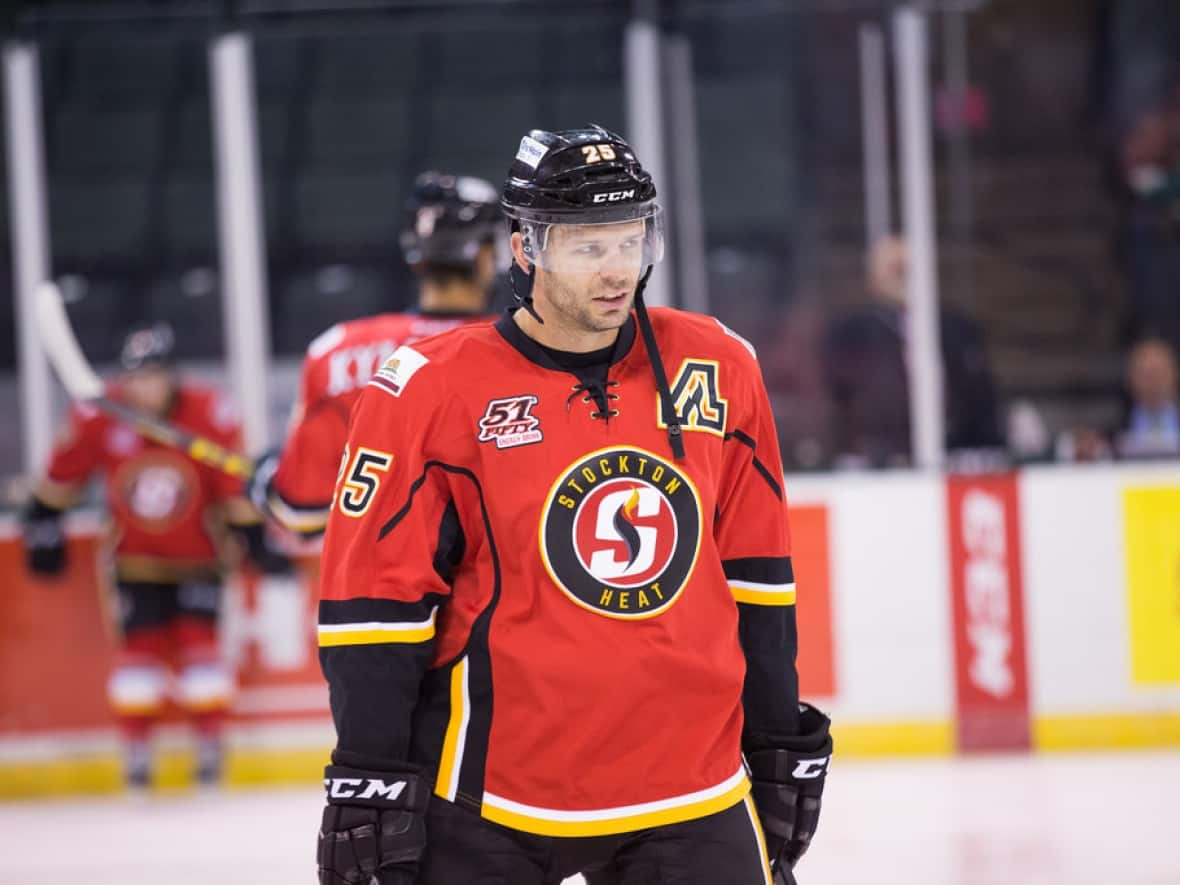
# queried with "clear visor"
point(608, 247)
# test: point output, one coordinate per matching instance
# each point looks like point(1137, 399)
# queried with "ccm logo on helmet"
point(806, 769)
point(351, 788)
point(614, 196)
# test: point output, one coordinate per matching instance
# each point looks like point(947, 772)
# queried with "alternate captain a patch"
point(620, 532)
point(696, 395)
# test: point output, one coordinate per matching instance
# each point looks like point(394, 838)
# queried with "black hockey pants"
point(725, 848)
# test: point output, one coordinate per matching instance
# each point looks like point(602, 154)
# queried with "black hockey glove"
point(374, 828)
point(259, 552)
point(788, 783)
point(45, 540)
point(258, 485)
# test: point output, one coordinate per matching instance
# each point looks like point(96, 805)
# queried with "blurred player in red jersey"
point(449, 242)
point(171, 521)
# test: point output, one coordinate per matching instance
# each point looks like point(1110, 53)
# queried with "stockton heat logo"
point(620, 532)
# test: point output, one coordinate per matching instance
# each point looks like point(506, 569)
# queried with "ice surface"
point(1012, 820)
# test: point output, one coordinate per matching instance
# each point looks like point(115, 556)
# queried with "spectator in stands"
point(1138, 50)
point(864, 361)
point(1150, 166)
point(1153, 423)
point(1137, 86)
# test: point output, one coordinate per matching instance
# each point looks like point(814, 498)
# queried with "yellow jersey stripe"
point(146, 708)
point(374, 632)
point(447, 784)
point(609, 821)
point(298, 520)
point(752, 811)
point(762, 594)
point(376, 637)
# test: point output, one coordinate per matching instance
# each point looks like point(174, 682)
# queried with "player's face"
point(149, 389)
point(590, 272)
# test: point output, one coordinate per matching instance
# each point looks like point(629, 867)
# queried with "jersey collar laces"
point(602, 397)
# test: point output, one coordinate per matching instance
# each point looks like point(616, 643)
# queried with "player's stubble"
point(575, 309)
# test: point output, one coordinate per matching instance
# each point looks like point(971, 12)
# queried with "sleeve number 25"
point(360, 478)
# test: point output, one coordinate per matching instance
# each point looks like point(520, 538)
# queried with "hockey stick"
point(784, 876)
point(83, 384)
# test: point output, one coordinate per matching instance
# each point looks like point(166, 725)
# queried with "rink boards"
point(1036, 610)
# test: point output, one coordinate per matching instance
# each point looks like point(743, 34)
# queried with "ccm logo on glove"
point(350, 788)
point(807, 769)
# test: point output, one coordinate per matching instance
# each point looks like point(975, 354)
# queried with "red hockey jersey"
point(159, 499)
point(573, 630)
point(338, 365)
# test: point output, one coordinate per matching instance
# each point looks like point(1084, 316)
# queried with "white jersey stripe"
point(390, 626)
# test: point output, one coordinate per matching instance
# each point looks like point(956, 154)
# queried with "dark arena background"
point(950, 231)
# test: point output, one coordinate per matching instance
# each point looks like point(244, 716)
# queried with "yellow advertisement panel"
point(1152, 526)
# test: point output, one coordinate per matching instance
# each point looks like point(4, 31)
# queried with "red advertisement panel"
point(811, 556)
point(991, 676)
point(57, 638)
point(57, 642)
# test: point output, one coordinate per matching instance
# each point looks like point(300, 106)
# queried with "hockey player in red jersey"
point(448, 242)
point(557, 604)
point(170, 520)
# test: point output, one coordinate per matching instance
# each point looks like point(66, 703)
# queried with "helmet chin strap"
point(525, 300)
point(667, 407)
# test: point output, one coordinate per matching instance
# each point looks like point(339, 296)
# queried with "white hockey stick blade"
point(61, 346)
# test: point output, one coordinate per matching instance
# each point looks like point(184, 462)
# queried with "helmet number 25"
point(597, 152)
point(359, 480)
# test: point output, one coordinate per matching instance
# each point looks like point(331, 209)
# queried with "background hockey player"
point(448, 241)
point(557, 602)
point(171, 518)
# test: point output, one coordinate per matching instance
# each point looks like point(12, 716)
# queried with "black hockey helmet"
point(448, 219)
point(579, 177)
point(148, 346)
